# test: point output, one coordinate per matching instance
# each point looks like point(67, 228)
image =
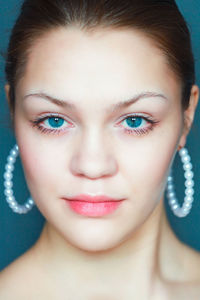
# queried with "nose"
point(93, 157)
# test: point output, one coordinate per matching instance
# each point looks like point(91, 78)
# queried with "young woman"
point(102, 96)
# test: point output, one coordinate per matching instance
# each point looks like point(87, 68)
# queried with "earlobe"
point(7, 89)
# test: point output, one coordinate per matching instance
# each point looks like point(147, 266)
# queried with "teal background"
point(19, 232)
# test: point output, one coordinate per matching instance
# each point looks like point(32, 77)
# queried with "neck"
point(140, 258)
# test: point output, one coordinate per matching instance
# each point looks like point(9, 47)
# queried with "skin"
point(131, 253)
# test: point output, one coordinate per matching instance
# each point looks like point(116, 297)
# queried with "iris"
point(134, 121)
point(55, 122)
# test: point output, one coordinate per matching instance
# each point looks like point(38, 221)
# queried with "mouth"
point(93, 206)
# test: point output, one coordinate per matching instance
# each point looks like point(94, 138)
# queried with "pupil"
point(56, 122)
point(135, 122)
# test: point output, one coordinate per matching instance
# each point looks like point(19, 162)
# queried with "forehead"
point(103, 64)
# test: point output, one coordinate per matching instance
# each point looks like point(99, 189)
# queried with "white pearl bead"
point(16, 147)
point(8, 184)
point(175, 206)
point(187, 205)
point(8, 192)
point(170, 187)
point(170, 179)
point(189, 191)
point(189, 199)
point(183, 213)
point(188, 175)
point(189, 183)
point(30, 201)
point(15, 209)
point(11, 159)
point(10, 199)
point(179, 212)
point(9, 167)
point(187, 166)
point(185, 159)
point(172, 201)
point(171, 195)
point(13, 204)
point(183, 151)
point(185, 210)
point(13, 153)
point(8, 175)
point(20, 210)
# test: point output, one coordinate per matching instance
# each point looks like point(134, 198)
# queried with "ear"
point(189, 114)
point(7, 91)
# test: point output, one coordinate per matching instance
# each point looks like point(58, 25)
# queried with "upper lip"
point(94, 198)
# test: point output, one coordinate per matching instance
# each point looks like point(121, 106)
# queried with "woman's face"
point(94, 146)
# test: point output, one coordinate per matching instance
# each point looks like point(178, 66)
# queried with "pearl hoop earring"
point(189, 190)
point(8, 184)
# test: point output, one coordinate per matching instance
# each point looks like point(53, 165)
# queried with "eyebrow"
point(113, 108)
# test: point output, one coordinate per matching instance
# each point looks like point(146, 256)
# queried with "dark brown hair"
point(161, 20)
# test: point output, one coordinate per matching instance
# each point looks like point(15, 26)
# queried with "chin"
point(94, 243)
point(94, 247)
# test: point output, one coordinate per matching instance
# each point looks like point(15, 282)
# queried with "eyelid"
point(151, 124)
point(45, 116)
point(142, 115)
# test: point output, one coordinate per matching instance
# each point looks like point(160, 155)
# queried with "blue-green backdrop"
point(19, 232)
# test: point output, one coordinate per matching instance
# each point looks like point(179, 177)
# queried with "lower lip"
point(93, 209)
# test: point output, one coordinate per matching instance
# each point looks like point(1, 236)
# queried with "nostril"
point(93, 168)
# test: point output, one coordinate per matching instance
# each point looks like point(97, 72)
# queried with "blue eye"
point(138, 125)
point(51, 124)
point(134, 122)
point(54, 122)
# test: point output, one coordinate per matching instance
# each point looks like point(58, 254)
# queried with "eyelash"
point(37, 121)
point(139, 132)
point(152, 123)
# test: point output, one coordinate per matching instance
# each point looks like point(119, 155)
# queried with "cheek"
point(41, 166)
point(43, 173)
point(146, 163)
point(39, 157)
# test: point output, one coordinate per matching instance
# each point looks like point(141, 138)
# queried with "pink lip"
point(93, 209)
point(93, 206)
point(89, 198)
